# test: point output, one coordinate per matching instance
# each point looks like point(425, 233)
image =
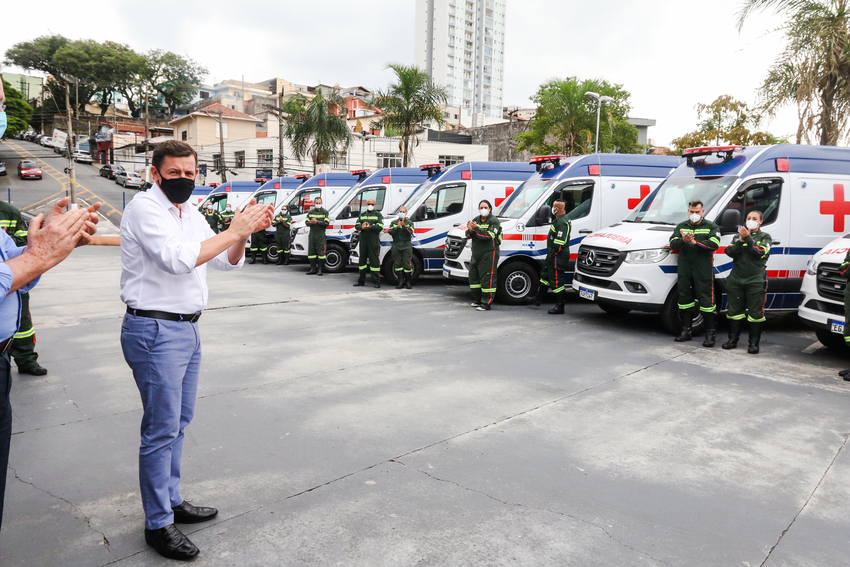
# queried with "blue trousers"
point(165, 357)
point(5, 424)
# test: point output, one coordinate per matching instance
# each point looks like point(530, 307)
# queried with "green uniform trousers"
point(696, 284)
point(745, 298)
point(282, 241)
point(23, 347)
point(846, 314)
point(482, 276)
point(259, 242)
point(552, 278)
point(316, 245)
point(402, 259)
point(369, 254)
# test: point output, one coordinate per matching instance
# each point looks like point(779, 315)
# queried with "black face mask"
point(177, 190)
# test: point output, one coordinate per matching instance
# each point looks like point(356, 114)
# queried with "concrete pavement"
point(342, 426)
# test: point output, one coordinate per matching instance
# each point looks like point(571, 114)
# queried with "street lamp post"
point(599, 101)
point(363, 137)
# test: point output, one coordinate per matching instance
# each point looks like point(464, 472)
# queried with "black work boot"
point(541, 293)
point(687, 318)
point(279, 259)
point(734, 334)
point(320, 264)
point(253, 258)
point(265, 258)
point(559, 305)
point(401, 277)
point(755, 338)
point(407, 280)
point(361, 281)
point(286, 259)
point(312, 267)
point(376, 280)
point(710, 330)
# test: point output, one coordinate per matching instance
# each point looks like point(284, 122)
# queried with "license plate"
point(585, 293)
point(445, 272)
point(836, 327)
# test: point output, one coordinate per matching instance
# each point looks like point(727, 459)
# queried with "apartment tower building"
point(461, 44)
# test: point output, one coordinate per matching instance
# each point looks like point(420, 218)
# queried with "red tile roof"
point(215, 108)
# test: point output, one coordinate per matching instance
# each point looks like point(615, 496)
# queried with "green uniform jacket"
point(370, 236)
point(13, 223)
point(402, 232)
point(282, 222)
point(212, 218)
point(707, 236)
point(320, 215)
point(226, 218)
point(558, 244)
point(750, 255)
point(487, 236)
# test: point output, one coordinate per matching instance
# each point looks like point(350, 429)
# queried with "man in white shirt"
point(166, 245)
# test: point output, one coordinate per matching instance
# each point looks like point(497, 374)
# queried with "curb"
point(106, 241)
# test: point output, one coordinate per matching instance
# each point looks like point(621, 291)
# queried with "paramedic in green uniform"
point(23, 345)
point(259, 245)
point(318, 221)
point(211, 217)
point(370, 224)
point(281, 225)
point(696, 239)
point(402, 230)
point(843, 269)
point(555, 269)
point(486, 234)
point(226, 217)
point(746, 286)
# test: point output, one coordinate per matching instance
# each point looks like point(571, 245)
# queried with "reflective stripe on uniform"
point(709, 309)
point(24, 334)
point(474, 286)
point(488, 290)
point(735, 317)
point(752, 320)
point(687, 305)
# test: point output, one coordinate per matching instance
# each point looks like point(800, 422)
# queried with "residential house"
point(201, 127)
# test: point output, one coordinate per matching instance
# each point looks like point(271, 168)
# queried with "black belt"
point(189, 317)
point(6, 345)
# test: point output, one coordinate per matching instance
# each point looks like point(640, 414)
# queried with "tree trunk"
point(828, 136)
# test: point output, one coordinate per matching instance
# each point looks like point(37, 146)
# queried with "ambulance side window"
point(266, 198)
point(304, 202)
point(358, 203)
point(578, 199)
point(445, 201)
point(761, 195)
point(219, 203)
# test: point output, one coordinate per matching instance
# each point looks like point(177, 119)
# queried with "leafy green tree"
point(409, 102)
point(725, 121)
point(18, 112)
point(813, 71)
point(565, 121)
point(315, 127)
point(174, 77)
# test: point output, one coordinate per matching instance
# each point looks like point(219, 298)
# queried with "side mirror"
point(420, 214)
point(346, 212)
point(544, 215)
point(730, 221)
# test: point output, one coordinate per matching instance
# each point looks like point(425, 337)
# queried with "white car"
point(82, 157)
point(129, 179)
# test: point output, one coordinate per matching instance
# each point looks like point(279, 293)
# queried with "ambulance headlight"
point(652, 256)
point(812, 267)
point(297, 231)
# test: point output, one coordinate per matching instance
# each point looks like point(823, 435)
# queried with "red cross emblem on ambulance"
point(838, 207)
point(644, 191)
point(500, 200)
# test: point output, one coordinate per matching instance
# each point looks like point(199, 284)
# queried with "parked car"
point(129, 179)
point(111, 170)
point(82, 157)
point(2, 168)
point(28, 169)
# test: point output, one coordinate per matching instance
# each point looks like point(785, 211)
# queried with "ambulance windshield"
point(668, 204)
point(524, 197)
point(421, 191)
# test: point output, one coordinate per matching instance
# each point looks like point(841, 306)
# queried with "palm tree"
point(813, 71)
point(412, 100)
point(316, 128)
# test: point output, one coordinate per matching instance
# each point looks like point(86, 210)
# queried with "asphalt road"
point(362, 427)
point(33, 195)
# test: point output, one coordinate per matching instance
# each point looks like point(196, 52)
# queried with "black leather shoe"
point(188, 514)
point(844, 373)
point(359, 284)
point(36, 370)
point(377, 284)
point(171, 543)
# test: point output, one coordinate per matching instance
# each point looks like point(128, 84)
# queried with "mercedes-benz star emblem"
point(590, 258)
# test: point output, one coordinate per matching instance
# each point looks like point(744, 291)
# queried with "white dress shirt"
point(160, 244)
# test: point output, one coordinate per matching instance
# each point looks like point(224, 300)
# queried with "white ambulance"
point(823, 293)
point(274, 192)
point(390, 187)
point(598, 189)
point(798, 189)
point(449, 197)
point(233, 193)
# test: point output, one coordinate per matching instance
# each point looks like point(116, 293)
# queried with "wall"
point(500, 139)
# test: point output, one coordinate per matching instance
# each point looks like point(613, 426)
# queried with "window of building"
point(217, 162)
point(219, 126)
point(265, 158)
point(190, 130)
point(240, 158)
point(389, 160)
point(450, 160)
point(184, 135)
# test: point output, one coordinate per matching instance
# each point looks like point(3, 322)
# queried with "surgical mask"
point(227, 209)
point(3, 123)
point(402, 215)
point(178, 190)
point(370, 207)
point(752, 224)
point(695, 218)
point(484, 212)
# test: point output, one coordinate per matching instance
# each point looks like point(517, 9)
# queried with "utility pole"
point(222, 172)
point(281, 170)
point(147, 162)
point(72, 189)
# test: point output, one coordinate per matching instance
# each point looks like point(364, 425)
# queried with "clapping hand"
point(689, 238)
point(253, 218)
point(743, 232)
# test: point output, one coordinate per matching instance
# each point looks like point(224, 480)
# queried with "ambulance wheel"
point(337, 258)
point(614, 310)
point(832, 341)
point(670, 316)
point(271, 253)
point(517, 283)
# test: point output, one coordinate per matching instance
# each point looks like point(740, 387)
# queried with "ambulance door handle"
point(585, 231)
point(775, 242)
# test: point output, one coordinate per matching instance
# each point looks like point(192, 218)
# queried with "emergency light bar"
point(361, 174)
point(302, 178)
point(541, 161)
point(432, 169)
point(724, 152)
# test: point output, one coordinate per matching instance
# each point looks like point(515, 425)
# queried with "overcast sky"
point(670, 54)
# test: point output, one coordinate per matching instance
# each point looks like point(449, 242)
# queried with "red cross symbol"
point(508, 191)
point(644, 191)
point(839, 208)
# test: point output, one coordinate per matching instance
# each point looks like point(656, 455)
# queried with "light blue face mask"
point(3, 123)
